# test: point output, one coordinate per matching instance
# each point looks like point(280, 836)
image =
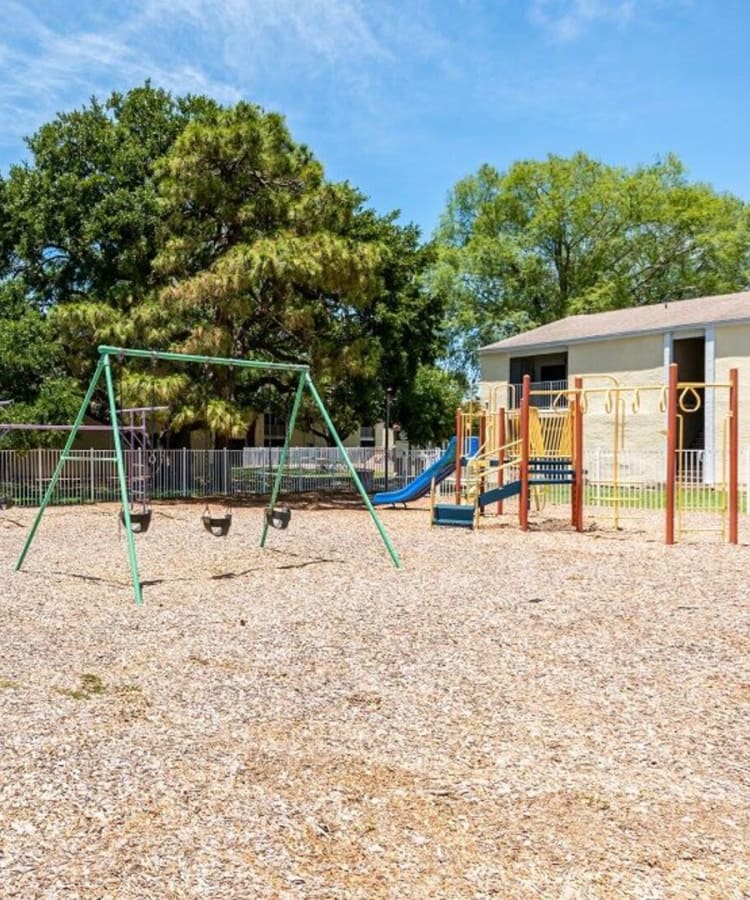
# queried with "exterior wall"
point(732, 349)
point(494, 367)
point(633, 362)
point(642, 361)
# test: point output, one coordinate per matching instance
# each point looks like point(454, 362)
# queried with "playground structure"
point(275, 517)
point(135, 436)
point(524, 448)
point(432, 475)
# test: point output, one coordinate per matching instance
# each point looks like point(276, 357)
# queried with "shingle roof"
point(632, 321)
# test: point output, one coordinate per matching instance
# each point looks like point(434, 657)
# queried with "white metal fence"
point(90, 475)
point(631, 480)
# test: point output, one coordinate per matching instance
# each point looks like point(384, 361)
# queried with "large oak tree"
point(180, 224)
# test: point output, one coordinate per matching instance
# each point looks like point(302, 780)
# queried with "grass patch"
point(91, 686)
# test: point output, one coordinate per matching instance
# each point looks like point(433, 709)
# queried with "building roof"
point(683, 314)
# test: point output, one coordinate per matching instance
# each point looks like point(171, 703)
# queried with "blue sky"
point(404, 98)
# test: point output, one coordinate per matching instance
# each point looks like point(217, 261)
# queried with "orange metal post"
point(733, 453)
point(483, 449)
point(523, 504)
point(671, 453)
point(500, 454)
point(578, 487)
point(459, 446)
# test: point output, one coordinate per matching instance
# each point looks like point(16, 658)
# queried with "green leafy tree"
point(266, 259)
point(427, 406)
point(567, 235)
point(83, 214)
point(32, 372)
point(176, 223)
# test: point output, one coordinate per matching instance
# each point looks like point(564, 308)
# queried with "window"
point(553, 372)
point(274, 430)
point(367, 436)
point(548, 371)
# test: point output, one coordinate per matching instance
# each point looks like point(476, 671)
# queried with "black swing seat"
point(278, 517)
point(218, 526)
point(139, 521)
point(6, 503)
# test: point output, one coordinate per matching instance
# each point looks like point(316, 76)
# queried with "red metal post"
point(733, 453)
point(500, 454)
point(523, 510)
point(578, 486)
point(459, 448)
point(671, 474)
point(483, 450)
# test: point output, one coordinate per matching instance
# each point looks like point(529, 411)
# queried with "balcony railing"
point(547, 396)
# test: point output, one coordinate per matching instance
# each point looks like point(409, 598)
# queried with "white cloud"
point(282, 31)
point(566, 20)
point(226, 50)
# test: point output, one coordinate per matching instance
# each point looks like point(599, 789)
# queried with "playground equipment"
point(541, 452)
point(135, 438)
point(527, 451)
point(104, 368)
point(685, 399)
point(218, 526)
point(279, 517)
point(434, 474)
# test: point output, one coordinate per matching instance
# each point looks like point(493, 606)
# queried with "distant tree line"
point(180, 224)
point(549, 239)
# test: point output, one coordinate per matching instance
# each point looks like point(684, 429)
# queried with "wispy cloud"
point(227, 50)
point(566, 20)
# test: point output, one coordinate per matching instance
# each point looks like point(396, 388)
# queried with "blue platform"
point(461, 516)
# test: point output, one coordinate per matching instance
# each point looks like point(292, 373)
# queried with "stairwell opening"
point(690, 356)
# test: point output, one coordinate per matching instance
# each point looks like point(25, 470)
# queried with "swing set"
point(276, 516)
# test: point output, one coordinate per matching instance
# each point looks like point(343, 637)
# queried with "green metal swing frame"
point(104, 367)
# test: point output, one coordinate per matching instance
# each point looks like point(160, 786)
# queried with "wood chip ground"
point(511, 715)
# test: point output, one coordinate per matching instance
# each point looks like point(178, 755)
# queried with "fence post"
point(40, 491)
point(91, 474)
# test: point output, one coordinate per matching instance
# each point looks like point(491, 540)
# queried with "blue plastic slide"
point(421, 485)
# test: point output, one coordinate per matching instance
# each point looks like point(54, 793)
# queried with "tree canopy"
point(32, 374)
point(180, 224)
point(546, 239)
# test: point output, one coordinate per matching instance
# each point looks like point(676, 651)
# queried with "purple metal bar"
point(23, 426)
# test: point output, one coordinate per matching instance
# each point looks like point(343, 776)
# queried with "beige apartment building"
point(624, 355)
